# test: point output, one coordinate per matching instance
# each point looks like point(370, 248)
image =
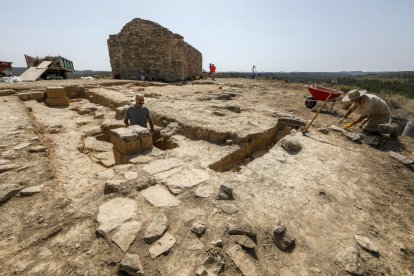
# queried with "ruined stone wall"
point(146, 48)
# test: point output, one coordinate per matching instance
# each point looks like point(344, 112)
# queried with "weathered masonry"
point(145, 48)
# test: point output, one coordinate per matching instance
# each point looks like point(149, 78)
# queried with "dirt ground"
point(229, 132)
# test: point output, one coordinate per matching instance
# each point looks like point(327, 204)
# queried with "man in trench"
point(375, 114)
point(138, 114)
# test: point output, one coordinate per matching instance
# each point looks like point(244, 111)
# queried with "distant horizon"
point(234, 71)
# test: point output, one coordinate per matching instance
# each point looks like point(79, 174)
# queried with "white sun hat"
point(354, 94)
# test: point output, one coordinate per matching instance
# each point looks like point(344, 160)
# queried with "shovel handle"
point(317, 113)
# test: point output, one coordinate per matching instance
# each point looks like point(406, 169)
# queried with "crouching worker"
point(138, 114)
point(375, 113)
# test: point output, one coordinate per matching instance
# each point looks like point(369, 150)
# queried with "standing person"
point(138, 114)
point(375, 113)
point(213, 71)
point(209, 68)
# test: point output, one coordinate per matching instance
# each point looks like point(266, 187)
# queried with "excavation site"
point(227, 184)
point(161, 168)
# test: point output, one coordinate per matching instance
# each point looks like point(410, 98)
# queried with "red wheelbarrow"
point(320, 93)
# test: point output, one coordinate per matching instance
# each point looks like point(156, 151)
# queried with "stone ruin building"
point(145, 48)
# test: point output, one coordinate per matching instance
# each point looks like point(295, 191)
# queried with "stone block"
point(57, 102)
point(109, 124)
point(55, 92)
point(31, 95)
point(120, 158)
point(125, 140)
point(143, 135)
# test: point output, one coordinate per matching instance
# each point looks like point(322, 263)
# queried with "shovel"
point(317, 113)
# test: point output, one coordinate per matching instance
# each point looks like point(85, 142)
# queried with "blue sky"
point(295, 35)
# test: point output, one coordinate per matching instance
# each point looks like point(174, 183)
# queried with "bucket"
point(409, 129)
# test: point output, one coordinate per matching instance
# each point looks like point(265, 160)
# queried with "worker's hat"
point(354, 94)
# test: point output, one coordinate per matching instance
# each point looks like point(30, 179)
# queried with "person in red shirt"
point(213, 71)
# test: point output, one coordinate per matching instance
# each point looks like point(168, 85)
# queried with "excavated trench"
point(250, 147)
point(256, 146)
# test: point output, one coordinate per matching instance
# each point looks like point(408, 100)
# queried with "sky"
point(288, 35)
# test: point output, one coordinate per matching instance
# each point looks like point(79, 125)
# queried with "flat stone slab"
point(162, 165)
point(204, 191)
point(160, 197)
point(241, 260)
point(126, 234)
point(156, 228)
point(106, 159)
point(91, 143)
point(29, 191)
point(183, 179)
point(147, 156)
point(8, 191)
point(114, 213)
point(162, 246)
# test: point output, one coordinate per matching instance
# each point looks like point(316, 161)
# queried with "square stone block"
point(120, 158)
point(57, 102)
point(55, 92)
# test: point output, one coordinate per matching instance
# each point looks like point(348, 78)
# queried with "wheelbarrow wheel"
point(310, 102)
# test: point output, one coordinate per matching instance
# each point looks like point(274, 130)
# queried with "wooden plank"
point(44, 64)
point(32, 74)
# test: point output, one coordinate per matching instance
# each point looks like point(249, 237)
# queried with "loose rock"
point(162, 246)
point(204, 191)
point(131, 264)
point(29, 191)
point(218, 243)
point(401, 158)
point(212, 266)
point(233, 107)
point(229, 209)
point(114, 186)
point(156, 228)
point(241, 228)
point(126, 234)
point(218, 113)
point(291, 145)
point(8, 191)
point(354, 137)
point(282, 238)
point(225, 193)
point(243, 241)
point(365, 243)
point(349, 259)
point(198, 228)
